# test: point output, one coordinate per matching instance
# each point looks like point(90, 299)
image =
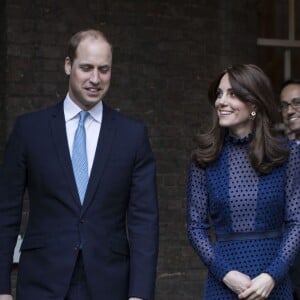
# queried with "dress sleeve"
point(291, 239)
point(198, 223)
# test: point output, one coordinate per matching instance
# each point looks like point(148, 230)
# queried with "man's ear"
point(68, 65)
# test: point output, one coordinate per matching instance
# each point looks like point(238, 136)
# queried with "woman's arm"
point(198, 223)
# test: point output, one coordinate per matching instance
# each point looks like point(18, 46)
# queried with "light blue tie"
point(79, 157)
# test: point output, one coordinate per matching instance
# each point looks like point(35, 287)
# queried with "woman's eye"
point(219, 94)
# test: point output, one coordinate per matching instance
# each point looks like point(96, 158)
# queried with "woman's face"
point(232, 112)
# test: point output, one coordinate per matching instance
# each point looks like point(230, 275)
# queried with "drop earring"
point(252, 115)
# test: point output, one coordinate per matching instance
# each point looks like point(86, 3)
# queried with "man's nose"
point(95, 77)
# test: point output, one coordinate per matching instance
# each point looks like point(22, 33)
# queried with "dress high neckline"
point(235, 140)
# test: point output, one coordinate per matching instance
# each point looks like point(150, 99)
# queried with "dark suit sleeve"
point(12, 185)
point(143, 222)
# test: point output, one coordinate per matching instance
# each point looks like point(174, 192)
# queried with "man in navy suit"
point(290, 109)
point(99, 244)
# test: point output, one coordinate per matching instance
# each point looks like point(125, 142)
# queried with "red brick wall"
point(165, 54)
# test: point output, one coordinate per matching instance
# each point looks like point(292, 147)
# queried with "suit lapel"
point(58, 131)
point(106, 135)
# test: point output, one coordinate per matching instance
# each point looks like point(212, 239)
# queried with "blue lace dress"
point(229, 195)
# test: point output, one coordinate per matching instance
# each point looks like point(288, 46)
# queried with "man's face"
point(290, 114)
point(89, 72)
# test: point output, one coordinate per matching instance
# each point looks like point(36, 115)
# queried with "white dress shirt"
point(92, 127)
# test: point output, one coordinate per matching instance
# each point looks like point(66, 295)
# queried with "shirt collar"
point(71, 110)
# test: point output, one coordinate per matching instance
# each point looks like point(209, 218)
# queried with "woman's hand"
point(260, 288)
point(238, 282)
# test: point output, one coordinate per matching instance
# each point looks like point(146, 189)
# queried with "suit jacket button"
point(81, 221)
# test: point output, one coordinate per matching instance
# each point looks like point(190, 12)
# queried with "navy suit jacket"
point(116, 228)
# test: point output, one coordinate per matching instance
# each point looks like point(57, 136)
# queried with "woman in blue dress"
point(244, 181)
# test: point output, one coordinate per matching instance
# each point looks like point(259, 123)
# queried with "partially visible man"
point(92, 231)
point(290, 108)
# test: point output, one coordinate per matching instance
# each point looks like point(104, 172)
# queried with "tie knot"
point(82, 117)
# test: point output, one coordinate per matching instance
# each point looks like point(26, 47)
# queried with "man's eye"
point(296, 101)
point(85, 68)
point(284, 105)
point(104, 70)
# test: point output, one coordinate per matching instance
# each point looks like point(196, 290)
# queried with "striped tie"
point(79, 157)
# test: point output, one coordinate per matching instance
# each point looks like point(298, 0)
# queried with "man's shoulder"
point(40, 114)
point(123, 119)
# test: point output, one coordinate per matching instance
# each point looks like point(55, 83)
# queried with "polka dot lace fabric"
point(229, 196)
